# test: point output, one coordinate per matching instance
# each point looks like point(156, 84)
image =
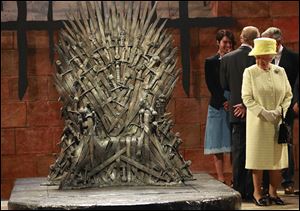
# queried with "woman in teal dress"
point(217, 132)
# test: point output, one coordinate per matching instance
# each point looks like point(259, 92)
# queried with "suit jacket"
point(232, 68)
point(290, 62)
point(212, 78)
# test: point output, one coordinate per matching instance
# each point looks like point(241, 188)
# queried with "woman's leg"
point(218, 160)
point(275, 178)
point(257, 179)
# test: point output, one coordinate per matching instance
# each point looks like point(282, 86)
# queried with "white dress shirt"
point(244, 44)
point(278, 55)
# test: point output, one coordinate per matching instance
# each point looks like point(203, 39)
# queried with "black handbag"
point(284, 136)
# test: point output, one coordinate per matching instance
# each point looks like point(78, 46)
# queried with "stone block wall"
point(31, 128)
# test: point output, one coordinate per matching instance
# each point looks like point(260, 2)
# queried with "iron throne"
point(115, 76)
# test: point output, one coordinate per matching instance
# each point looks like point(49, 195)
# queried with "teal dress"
point(217, 131)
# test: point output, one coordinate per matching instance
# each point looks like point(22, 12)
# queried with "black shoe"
point(263, 201)
point(277, 200)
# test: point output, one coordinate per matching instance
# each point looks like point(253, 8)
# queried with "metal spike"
point(100, 22)
point(91, 13)
point(84, 18)
point(129, 16)
point(135, 16)
point(143, 14)
point(146, 24)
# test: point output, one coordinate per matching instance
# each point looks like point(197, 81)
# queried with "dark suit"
point(290, 62)
point(212, 78)
point(233, 65)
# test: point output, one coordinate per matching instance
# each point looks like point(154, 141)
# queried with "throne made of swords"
point(115, 75)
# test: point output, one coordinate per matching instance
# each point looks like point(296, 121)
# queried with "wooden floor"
point(292, 203)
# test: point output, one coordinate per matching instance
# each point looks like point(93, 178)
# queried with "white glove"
point(271, 115)
point(277, 112)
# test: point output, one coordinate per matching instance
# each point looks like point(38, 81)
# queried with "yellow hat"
point(264, 46)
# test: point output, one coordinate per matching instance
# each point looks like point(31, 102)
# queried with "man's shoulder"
point(212, 58)
point(238, 51)
point(289, 52)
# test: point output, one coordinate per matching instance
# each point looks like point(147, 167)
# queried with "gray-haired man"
point(232, 68)
point(289, 60)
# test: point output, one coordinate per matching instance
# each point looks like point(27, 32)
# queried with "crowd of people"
point(250, 87)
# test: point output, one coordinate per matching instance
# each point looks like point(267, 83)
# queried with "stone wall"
point(31, 128)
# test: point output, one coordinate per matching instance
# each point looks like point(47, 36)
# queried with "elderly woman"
point(265, 90)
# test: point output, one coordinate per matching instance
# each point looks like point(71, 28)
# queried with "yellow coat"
point(270, 90)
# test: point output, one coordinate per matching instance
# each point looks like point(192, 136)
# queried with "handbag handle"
point(282, 117)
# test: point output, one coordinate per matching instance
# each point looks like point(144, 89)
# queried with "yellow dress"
point(270, 90)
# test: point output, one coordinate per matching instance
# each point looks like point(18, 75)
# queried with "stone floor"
point(292, 201)
point(203, 193)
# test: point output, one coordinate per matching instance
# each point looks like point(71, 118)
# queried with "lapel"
point(283, 59)
point(216, 57)
point(217, 62)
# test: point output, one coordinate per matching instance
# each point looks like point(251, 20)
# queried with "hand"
point(226, 105)
point(271, 115)
point(239, 110)
point(277, 112)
